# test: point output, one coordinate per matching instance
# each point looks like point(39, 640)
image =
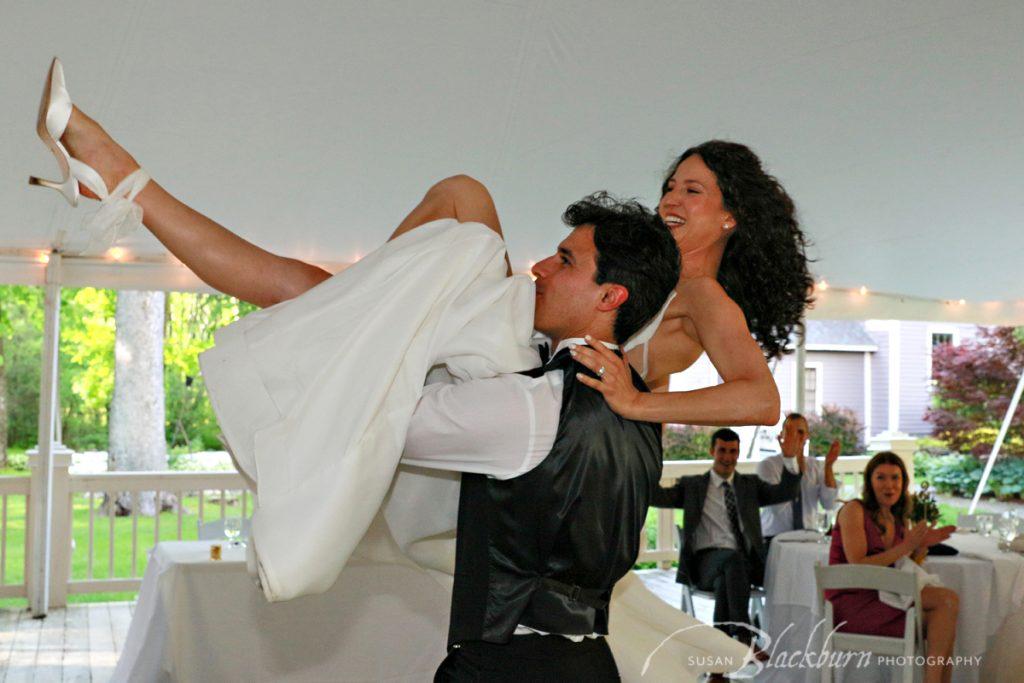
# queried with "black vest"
point(545, 549)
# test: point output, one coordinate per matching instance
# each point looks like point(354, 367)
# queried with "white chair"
point(214, 531)
point(844, 576)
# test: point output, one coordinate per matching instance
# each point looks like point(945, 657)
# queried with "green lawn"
point(15, 560)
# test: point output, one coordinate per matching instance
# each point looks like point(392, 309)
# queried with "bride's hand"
point(615, 383)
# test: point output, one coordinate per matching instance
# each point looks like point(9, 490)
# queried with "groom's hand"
point(616, 381)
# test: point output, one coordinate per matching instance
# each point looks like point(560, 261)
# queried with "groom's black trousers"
point(533, 658)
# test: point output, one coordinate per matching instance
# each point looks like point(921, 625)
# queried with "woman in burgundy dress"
point(874, 530)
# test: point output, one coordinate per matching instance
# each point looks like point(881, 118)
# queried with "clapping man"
point(817, 485)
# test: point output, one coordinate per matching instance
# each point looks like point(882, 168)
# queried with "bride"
point(701, 315)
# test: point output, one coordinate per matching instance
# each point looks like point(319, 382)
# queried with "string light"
point(863, 290)
point(117, 253)
point(962, 302)
point(822, 286)
point(43, 257)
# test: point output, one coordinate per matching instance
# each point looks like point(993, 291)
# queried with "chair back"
point(214, 530)
point(870, 577)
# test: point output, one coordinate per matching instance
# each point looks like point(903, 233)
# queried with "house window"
point(938, 340)
point(811, 389)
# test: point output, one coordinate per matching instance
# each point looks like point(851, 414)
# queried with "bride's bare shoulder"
point(699, 291)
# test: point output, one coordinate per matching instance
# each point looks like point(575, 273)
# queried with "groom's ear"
point(612, 296)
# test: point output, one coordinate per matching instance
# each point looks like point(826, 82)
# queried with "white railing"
point(664, 550)
point(79, 539)
point(14, 493)
point(92, 489)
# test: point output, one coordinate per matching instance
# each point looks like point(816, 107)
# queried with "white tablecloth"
point(204, 620)
point(990, 585)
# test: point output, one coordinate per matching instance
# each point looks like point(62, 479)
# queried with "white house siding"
point(879, 381)
point(915, 366)
point(842, 380)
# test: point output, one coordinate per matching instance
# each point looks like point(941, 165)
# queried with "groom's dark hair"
point(634, 249)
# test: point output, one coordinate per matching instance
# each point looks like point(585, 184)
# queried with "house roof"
point(838, 335)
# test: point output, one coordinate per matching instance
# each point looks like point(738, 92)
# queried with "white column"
point(894, 376)
point(867, 396)
point(1014, 402)
point(801, 374)
point(41, 506)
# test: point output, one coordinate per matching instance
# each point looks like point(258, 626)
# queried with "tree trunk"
point(136, 420)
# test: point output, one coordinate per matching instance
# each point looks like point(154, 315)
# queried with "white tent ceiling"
point(310, 128)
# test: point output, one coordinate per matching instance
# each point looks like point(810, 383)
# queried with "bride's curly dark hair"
point(764, 267)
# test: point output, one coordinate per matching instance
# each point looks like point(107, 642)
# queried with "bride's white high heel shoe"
point(117, 215)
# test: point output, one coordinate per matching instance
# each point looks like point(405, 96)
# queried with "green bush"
point(835, 423)
point(959, 474)
point(686, 442)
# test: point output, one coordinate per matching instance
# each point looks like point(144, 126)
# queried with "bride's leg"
point(460, 197)
point(219, 257)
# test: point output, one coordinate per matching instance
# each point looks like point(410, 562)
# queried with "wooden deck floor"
point(78, 643)
point(82, 642)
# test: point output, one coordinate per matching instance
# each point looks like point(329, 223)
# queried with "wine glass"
point(984, 525)
point(232, 530)
point(1008, 526)
point(822, 522)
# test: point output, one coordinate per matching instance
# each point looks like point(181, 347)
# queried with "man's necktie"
point(734, 516)
point(797, 506)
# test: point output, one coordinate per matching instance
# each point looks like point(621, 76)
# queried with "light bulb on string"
point(822, 286)
point(117, 253)
point(43, 257)
point(863, 290)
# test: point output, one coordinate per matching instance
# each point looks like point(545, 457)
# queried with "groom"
point(556, 485)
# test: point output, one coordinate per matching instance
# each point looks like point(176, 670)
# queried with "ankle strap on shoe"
point(118, 216)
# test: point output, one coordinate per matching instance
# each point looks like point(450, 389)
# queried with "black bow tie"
point(545, 352)
point(560, 359)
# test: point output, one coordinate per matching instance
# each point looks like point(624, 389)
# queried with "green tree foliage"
point(87, 363)
point(192, 320)
point(686, 442)
point(21, 324)
point(835, 423)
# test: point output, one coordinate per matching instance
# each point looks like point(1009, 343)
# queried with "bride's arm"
point(219, 257)
point(747, 394)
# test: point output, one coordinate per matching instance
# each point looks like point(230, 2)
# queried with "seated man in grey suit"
point(722, 547)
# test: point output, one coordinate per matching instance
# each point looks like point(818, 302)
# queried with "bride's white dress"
point(314, 396)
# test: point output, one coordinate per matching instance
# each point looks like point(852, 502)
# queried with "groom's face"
point(567, 295)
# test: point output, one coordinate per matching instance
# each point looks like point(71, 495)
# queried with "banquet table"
point(990, 584)
point(199, 619)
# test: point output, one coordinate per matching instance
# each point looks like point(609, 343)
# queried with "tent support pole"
point(999, 443)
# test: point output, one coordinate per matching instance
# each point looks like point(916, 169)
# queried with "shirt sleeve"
point(502, 426)
point(768, 470)
point(826, 494)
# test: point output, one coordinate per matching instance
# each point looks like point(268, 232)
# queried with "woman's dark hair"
point(634, 249)
point(901, 509)
point(764, 267)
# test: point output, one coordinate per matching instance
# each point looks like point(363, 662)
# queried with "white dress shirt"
point(502, 426)
point(776, 519)
point(715, 529)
